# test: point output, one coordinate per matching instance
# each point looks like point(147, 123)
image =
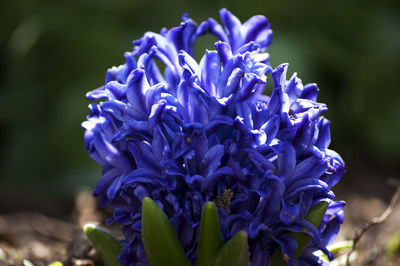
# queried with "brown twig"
point(374, 221)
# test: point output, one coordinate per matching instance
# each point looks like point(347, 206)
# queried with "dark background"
point(53, 52)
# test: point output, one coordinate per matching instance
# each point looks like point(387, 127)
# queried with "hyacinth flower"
point(184, 133)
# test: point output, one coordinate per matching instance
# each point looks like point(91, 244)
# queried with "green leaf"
point(334, 248)
point(276, 259)
point(235, 252)
point(317, 212)
point(106, 245)
point(339, 246)
point(56, 263)
point(159, 238)
point(315, 215)
point(210, 241)
point(393, 246)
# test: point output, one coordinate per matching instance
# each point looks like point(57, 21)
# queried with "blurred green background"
point(53, 52)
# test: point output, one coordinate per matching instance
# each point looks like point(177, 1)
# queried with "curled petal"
point(257, 29)
point(211, 160)
point(210, 71)
point(183, 36)
point(213, 27)
point(288, 247)
point(215, 177)
point(233, 28)
point(224, 51)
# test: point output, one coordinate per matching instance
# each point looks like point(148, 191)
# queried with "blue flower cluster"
point(184, 133)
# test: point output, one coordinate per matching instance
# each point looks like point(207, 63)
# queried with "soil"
point(30, 238)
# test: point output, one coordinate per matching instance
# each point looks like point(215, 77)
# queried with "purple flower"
point(183, 133)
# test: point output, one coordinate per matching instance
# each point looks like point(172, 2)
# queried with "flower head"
point(183, 133)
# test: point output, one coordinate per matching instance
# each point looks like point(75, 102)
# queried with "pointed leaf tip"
point(317, 212)
point(160, 242)
point(106, 245)
point(235, 252)
point(210, 241)
point(88, 227)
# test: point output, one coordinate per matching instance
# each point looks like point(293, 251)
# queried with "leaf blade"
point(106, 245)
point(235, 252)
point(160, 241)
point(210, 241)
